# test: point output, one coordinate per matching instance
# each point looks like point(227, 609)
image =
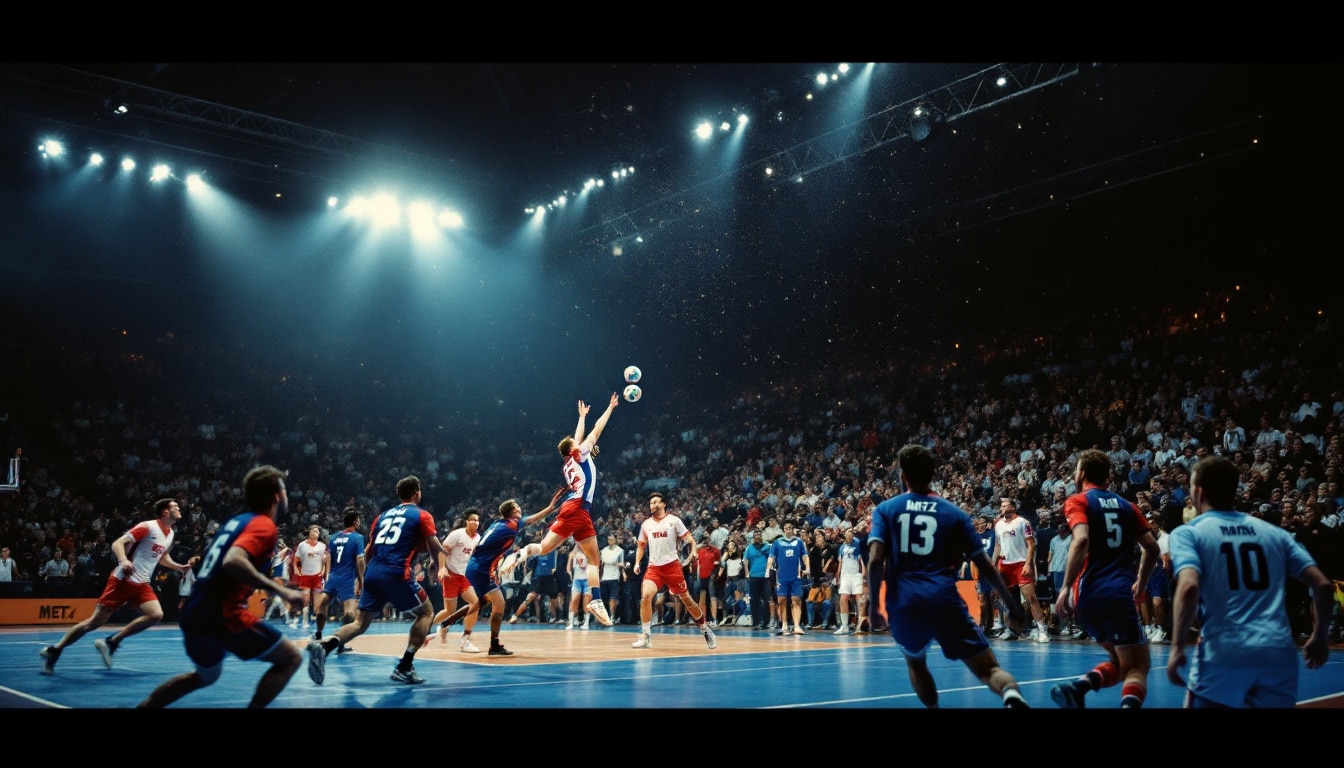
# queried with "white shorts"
point(851, 583)
point(578, 587)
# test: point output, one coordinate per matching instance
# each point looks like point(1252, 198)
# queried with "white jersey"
point(580, 565)
point(662, 538)
point(612, 559)
point(152, 541)
point(1012, 539)
point(459, 547)
point(311, 557)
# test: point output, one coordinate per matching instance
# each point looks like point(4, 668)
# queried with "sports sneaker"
point(407, 676)
point(842, 631)
point(468, 646)
point(710, 640)
point(584, 626)
point(104, 650)
point(556, 620)
point(1015, 702)
point(1068, 696)
point(513, 619)
point(569, 626)
point(343, 649)
point(644, 641)
point(1159, 635)
point(499, 650)
point(599, 611)
point(1042, 637)
point(49, 656)
point(317, 662)
point(798, 630)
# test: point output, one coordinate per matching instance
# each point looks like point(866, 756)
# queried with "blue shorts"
point(1157, 583)
point(207, 645)
point(1113, 620)
point(341, 590)
point(402, 594)
point(479, 578)
point(916, 624)
point(791, 588)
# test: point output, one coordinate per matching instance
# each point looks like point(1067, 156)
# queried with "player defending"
point(395, 538)
point(345, 572)
point(575, 518)
point(216, 620)
point(660, 534)
point(929, 538)
point(459, 545)
point(138, 551)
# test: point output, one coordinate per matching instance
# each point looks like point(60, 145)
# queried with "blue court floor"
point(583, 669)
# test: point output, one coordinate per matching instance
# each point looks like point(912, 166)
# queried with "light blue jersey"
point(1244, 564)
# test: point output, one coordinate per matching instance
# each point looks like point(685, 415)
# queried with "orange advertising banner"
point(56, 610)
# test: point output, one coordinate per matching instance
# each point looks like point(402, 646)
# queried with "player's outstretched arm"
point(601, 424)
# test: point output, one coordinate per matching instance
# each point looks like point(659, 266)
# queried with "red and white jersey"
point(459, 547)
point(1012, 539)
point(152, 541)
point(580, 567)
point(662, 538)
point(311, 557)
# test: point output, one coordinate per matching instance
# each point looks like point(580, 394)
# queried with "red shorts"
point(1015, 575)
point(308, 582)
point(119, 592)
point(667, 575)
point(455, 585)
point(574, 520)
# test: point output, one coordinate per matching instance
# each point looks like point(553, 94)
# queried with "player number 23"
point(389, 529)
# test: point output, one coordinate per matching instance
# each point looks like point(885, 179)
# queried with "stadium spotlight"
point(450, 219)
point(95, 159)
point(195, 183)
point(127, 164)
point(822, 79)
point(160, 172)
point(725, 126)
point(921, 121)
point(52, 148)
point(704, 130)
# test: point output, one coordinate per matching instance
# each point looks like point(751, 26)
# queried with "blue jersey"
point(398, 535)
point(544, 565)
point(788, 554)
point(496, 543)
point(1244, 564)
point(1114, 527)
point(756, 558)
point(927, 538)
point(344, 549)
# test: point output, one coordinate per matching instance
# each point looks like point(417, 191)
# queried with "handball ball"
point(632, 375)
point(632, 393)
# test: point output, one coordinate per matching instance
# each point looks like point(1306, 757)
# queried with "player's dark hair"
point(162, 504)
point(351, 517)
point(1096, 466)
point(260, 486)
point(917, 464)
point(658, 495)
point(472, 511)
point(505, 507)
point(1217, 476)
point(407, 487)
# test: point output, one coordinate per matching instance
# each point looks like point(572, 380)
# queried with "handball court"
point(583, 669)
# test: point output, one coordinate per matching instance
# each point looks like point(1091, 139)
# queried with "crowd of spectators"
point(1259, 380)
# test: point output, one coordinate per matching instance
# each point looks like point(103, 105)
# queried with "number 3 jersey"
point(398, 534)
point(1113, 529)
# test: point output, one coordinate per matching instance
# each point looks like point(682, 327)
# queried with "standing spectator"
point(850, 586)
point(216, 620)
point(1059, 558)
point(735, 588)
point(139, 551)
point(1233, 569)
point(757, 558)
point(56, 566)
point(9, 569)
point(928, 538)
point(821, 559)
point(613, 573)
point(1103, 583)
point(709, 592)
